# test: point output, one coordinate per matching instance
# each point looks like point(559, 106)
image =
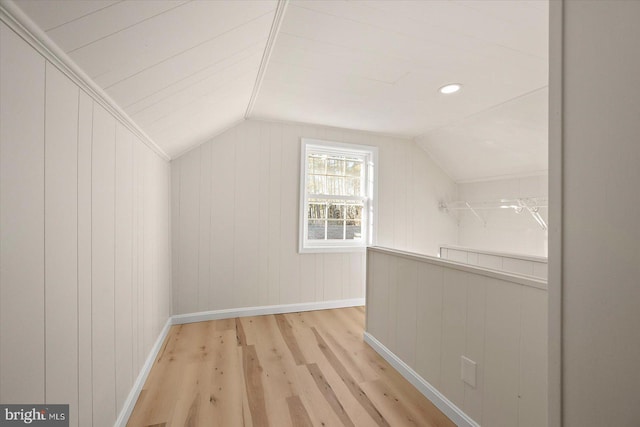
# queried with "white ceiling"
point(507, 140)
point(185, 70)
point(182, 70)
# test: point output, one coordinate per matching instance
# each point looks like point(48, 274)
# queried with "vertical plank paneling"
point(400, 197)
point(139, 236)
point(429, 335)
point(406, 327)
point(71, 248)
point(385, 171)
point(275, 209)
point(474, 343)
point(254, 181)
point(123, 263)
point(332, 276)
point(378, 296)
point(453, 334)
point(501, 375)
point(290, 178)
point(310, 286)
point(391, 312)
point(189, 224)
point(175, 233)
point(22, 78)
point(102, 271)
point(149, 252)
point(264, 207)
point(165, 235)
point(245, 255)
point(61, 241)
point(135, 221)
point(532, 409)
point(204, 234)
point(85, 374)
point(222, 220)
point(356, 279)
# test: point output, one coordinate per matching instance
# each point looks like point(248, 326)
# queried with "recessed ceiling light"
point(450, 88)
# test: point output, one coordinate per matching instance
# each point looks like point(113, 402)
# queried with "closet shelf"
point(519, 205)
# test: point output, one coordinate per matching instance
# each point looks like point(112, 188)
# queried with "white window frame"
point(369, 215)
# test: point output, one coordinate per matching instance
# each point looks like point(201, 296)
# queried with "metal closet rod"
point(529, 204)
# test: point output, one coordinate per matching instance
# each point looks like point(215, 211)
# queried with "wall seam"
point(44, 228)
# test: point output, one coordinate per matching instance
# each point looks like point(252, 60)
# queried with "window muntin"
point(336, 196)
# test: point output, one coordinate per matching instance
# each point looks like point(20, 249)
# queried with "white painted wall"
point(226, 255)
point(430, 313)
point(505, 230)
point(596, 184)
point(84, 243)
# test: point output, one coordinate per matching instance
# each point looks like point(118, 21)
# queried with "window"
point(336, 196)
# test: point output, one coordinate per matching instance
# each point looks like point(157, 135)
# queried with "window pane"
point(354, 230)
point(316, 210)
point(336, 210)
point(335, 230)
point(316, 229)
point(352, 187)
point(353, 167)
point(335, 185)
point(316, 184)
point(354, 212)
point(317, 164)
point(335, 166)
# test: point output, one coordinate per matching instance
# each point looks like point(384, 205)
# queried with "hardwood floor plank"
point(329, 395)
point(253, 382)
point(291, 370)
point(352, 385)
point(298, 413)
point(241, 339)
point(289, 338)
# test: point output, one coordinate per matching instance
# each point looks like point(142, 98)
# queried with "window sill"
point(331, 249)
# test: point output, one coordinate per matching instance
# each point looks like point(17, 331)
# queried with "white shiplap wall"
point(84, 243)
point(235, 218)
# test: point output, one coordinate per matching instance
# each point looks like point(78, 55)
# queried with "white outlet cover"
point(469, 371)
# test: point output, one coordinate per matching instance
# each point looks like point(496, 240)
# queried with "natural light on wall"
point(336, 196)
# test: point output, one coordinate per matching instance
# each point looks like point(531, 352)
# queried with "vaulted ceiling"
point(186, 70)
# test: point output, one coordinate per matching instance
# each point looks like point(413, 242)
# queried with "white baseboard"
point(430, 392)
point(130, 403)
point(269, 309)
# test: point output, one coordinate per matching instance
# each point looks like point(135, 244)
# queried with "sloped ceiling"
point(186, 70)
point(182, 70)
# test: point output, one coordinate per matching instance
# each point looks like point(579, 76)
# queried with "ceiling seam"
point(268, 50)
point(492, 107)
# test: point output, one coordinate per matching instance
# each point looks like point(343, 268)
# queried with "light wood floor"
point(300, 369)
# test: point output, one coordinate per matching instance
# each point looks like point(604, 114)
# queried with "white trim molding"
point(268, 50)
point(22, 25)
point(265, 310)
point(132, 398)
point(454, 413)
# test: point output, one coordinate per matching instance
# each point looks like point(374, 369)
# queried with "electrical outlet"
point(468, 371)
